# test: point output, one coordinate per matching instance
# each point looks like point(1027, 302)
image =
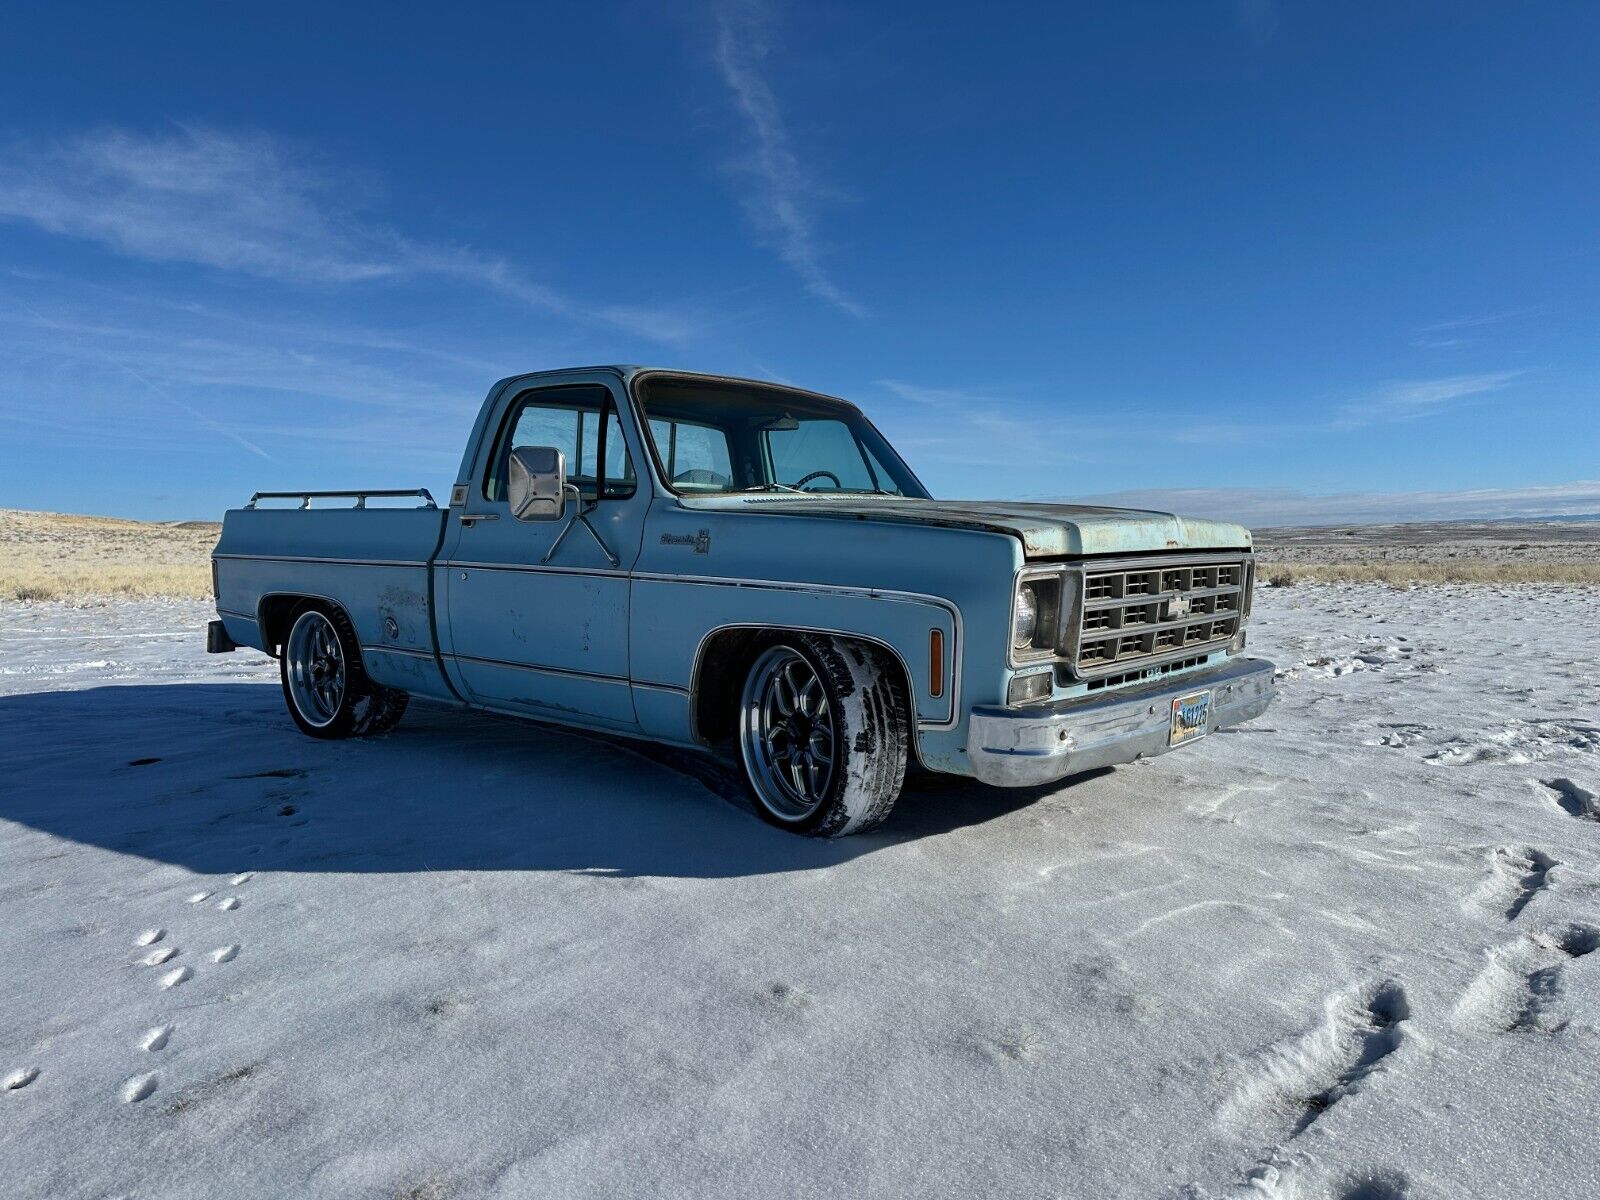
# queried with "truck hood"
point(1045, 530)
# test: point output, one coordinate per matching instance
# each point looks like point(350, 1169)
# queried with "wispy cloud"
point(238, 202)
point(1477, 320)
point(135, 372)
point(971, 427)
point(938, 397)
point(782, 191)
point(1036, 426)
point(1464, 331)
point(230, 357)
point(1408, 401)
point(156, 389)
point(1285, 506)
point(257, 205)
point(962, 412)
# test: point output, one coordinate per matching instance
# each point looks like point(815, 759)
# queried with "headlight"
point(1025, 620)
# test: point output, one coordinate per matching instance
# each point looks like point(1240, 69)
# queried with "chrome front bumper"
point(1020, 747)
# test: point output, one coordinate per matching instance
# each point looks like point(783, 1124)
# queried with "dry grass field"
point(1405, 574)
point(1493, 552)
point(57, 556)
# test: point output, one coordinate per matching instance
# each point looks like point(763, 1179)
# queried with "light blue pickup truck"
point(715, 562)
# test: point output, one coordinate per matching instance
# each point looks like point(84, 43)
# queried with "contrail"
point(214, 426)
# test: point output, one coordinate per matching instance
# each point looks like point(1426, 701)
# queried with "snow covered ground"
point(1344, 953)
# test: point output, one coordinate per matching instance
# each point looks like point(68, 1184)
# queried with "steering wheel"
point(801, 482)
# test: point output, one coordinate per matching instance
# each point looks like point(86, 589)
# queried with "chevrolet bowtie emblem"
point(1178, 606)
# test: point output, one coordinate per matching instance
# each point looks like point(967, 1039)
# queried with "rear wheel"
point(325, 686)
point(823, 735)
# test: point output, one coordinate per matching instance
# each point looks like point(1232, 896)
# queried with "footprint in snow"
point(242, 878)
point(225, 954)
point(1378, 1187)
point(140, 1087)
point(1533, 869)
point(156, 957)
point(156, 1039)
point(1517, 875)
point(199, 897)
point(1520, 987)
point(18, 1080)
point(1459, 753)
point(1315, 1071)
point(1573, 800)
point(1574, 941)
point(173, 978)
point(1371, 1033)
point(228, 904)
point(150, 937)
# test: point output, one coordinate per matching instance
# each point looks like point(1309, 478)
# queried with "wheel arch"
point(726, 654)
point(275, 614)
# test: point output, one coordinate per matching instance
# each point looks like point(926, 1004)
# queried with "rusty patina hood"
point(1045, 530)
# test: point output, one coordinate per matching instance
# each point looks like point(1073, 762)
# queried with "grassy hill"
point(50, 556)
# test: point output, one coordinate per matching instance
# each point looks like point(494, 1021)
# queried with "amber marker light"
point(936, 663)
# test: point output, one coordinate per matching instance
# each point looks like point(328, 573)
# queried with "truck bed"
point(375, 562)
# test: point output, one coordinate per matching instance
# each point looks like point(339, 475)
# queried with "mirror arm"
point(580, 516)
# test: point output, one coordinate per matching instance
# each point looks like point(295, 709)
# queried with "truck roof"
point(629, 371)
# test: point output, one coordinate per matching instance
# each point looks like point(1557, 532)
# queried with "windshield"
point(712, 438)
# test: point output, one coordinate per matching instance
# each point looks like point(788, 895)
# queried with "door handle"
point(470, 518)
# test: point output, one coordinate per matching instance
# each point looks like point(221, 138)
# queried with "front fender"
point(674, 617)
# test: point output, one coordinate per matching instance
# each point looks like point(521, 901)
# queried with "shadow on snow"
point(215, 778)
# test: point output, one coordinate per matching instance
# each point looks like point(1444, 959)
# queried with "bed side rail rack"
point(360, 495)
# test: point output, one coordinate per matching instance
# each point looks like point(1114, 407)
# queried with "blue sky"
point(1272, 255)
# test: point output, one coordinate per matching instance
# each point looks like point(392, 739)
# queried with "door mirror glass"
point(536, 483)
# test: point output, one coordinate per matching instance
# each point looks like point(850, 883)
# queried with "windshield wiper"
point(775, 487)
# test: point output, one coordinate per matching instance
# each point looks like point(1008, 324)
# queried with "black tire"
point(387, 707)
point(358, 707)
point(866, 717)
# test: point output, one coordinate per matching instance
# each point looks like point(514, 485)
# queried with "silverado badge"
point(700, 541)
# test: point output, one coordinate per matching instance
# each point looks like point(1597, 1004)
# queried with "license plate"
point(1191, 716)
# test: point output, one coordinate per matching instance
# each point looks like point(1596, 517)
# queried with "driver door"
point(549, 638)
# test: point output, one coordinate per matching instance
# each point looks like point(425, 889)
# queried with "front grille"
point(1154, 611)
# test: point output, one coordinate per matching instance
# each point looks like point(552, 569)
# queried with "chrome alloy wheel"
point(316, 671)
point(786, 734)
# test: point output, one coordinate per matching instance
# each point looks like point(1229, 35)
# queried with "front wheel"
point(325, 686)
point(823, 735)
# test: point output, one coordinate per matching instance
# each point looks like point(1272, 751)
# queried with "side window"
point(695, 457)
point(569, 420)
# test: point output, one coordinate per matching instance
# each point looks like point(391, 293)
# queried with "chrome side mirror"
point(536, 483)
